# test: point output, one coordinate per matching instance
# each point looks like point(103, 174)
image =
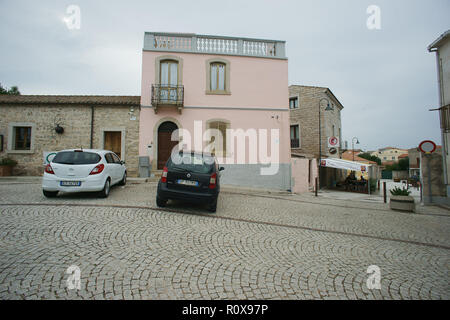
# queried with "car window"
point(197, 163)
point(109, 158)
point(115, 158)
point(76, 157)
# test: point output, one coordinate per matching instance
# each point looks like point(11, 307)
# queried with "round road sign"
point(427, 146)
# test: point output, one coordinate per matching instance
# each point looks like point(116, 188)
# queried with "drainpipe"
point(92, 127)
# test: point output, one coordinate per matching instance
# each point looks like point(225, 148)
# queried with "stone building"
point(28, 128)
point(304, 125)
point(441, 46)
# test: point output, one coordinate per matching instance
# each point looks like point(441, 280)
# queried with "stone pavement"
point(259, 245)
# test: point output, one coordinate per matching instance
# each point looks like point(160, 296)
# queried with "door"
point(165, 143)
point(169, 81)
point(113, 142)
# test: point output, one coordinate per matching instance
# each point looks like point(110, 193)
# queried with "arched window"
point(217, 76)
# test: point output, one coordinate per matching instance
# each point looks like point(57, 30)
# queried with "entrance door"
point(113, 142)
point(165, 143)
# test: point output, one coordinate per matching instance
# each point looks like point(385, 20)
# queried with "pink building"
point(237, 86)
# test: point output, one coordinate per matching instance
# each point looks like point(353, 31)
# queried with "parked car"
point(83, 170)
point(194, 177)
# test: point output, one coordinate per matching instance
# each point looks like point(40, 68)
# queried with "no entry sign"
point(427, 146)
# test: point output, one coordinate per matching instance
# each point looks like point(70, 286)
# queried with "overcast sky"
point(386, 79)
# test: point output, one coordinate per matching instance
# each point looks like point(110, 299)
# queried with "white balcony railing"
point(183, 42)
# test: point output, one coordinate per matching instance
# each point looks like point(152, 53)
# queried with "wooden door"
point(165, 143)
point(113, 142)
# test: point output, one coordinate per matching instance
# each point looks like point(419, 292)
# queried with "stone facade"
point(73, 113)
point(307, 117)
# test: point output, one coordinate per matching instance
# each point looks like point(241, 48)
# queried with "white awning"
point(344, 164)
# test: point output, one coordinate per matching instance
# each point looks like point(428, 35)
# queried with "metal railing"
point(295, 143)
point(187, 42)
point(167, 95)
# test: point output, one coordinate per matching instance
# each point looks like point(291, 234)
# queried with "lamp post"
point(353, 146)
point(328, 108)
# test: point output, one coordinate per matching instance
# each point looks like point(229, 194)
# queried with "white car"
point(83, 170)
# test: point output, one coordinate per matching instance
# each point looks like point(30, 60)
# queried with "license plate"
point(70, 183)
point(188, 182)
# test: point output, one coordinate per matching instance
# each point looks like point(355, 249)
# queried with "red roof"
point(348, 155)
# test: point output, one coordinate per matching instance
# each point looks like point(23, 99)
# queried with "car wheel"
point(50, 194)
point(161, 202)
point(213, 206)
point(124, 179)
point(105, 192)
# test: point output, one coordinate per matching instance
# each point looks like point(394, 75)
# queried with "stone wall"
point(307, 116)
point(76, 121)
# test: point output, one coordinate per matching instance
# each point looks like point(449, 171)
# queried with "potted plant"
point(401, 200)
point(6, 166)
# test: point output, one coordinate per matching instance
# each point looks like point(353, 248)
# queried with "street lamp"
point(328, 108)
point(353, 146)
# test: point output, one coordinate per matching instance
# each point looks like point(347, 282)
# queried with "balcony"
point(167, 95)
point(196, 43)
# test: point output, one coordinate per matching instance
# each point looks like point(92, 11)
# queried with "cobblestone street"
point(258, 245)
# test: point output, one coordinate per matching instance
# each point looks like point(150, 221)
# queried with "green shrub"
point(7, 162)
point(400, 192)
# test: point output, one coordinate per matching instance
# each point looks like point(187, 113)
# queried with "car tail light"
point(98, 169)
point(49, 169)
point(164, 175)
point(212, 181)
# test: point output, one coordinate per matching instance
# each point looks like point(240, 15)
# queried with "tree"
point(14, 90)
point(401, 165)
point(368, 156)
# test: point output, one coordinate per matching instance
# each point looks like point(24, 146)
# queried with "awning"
point(344, 164)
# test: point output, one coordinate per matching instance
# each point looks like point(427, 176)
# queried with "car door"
point(111, 167)
point(120, 169)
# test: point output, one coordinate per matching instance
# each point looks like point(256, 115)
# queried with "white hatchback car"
point(83, 170)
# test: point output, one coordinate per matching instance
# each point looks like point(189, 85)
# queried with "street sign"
point(427, 146)
point(333, 142)
point(48, 156)
point(333, 150)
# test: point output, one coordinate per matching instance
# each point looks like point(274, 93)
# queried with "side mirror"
point(221, 168)
point(122, 162)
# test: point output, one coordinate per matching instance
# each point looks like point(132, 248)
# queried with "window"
point(220, 147)
point(76, 158)
point(115, 158)
point(293, 103)
point(168, 80)
point(169, 73)
point(295, 136)
point(22, 138)
point(217, 76)
point(393, 158)
point(384, 158)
